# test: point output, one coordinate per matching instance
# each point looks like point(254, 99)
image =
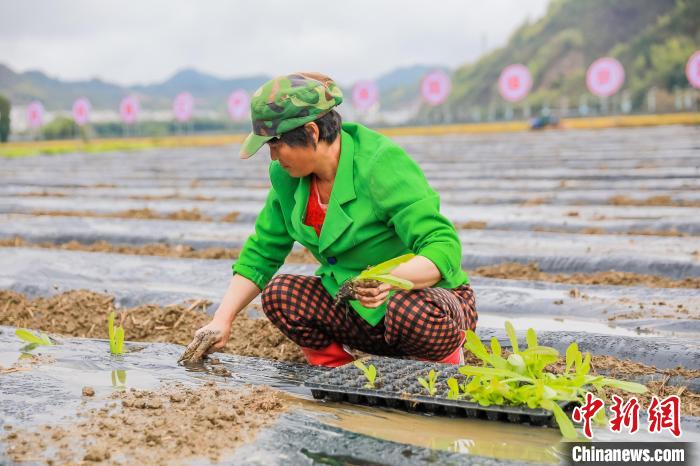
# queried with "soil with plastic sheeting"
point(149, 427)
point(302, 256)
point(83, 314)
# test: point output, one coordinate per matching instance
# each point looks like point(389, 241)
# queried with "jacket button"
point(332, 260)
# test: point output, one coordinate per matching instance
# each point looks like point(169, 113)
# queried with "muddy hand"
point(195, 351)
point(372, 296)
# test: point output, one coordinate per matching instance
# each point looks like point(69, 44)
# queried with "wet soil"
point(662, 200)
point(651, 311)
point(471, 225)
point(183, 214)
point(602, 231)
point(167, 426)
point(26, 361)
point(302, 256)
point(81, 313)
point(531, 271)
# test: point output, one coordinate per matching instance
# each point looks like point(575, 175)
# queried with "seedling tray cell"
point(397, 386)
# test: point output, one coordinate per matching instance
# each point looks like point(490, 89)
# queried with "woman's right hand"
point(208, 339)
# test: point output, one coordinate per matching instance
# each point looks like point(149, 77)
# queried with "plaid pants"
point(427, 323)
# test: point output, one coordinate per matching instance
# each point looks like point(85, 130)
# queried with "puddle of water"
point(558, 325)
point(498, 440)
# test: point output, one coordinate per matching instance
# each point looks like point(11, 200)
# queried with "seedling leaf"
point(36, 340)
point(394, 281)
point(531, 338)
point(116, 335)
point(386, 267)
point(453, 385)
point(510, 330)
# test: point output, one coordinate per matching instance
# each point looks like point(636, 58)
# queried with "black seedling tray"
point(397, 386)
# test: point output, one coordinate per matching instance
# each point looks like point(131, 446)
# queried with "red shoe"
point(455, 357)
point(333, 355)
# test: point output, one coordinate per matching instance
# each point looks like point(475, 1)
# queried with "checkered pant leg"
point(303, 310)
point(430, 323)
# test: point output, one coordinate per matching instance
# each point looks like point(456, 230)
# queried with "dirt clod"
point(81, 313)
point(204, 422)
point(183, 251)
point(531, 271)
point(88, 391)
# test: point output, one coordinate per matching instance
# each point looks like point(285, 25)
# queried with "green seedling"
point(520, 379)
point(32, 340)
point(453, 385)
point(372, 277)
point(370, 373)
point(430, 383)
point(116, 336)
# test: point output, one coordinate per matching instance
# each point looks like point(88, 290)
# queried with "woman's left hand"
point(373, 296)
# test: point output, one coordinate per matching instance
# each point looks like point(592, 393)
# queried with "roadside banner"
point(183, 106)
point(605, 77)
point(435, 87)
point(35, 114)
point(515, 82)
point(238, 104)
point(129, 109)
point(692, 70)
point(81, 111)
point(364, 95)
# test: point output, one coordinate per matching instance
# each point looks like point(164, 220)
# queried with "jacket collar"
point(336, 221)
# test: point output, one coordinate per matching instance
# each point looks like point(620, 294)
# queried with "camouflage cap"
point(288, 102)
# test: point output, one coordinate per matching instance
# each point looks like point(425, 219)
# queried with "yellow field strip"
point(20, 149)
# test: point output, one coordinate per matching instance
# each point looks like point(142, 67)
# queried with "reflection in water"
point(119, 379)
point(337, 460)
point(460, 435)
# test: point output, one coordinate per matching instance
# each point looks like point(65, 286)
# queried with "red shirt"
point(315, 210)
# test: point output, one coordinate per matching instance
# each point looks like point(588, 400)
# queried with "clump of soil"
point(163, 197)
point(601, 231)
point(536, 201)
point(662, 200)
point(154, 249)
point(193, 215)
point(167, 426)
point(531, 271)
point(232, 217)
point(45, 193)
point(677, 312)
point(26, 361)
point(471, 225)
point(81, 313)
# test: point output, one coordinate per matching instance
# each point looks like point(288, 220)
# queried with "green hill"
point(653, 39)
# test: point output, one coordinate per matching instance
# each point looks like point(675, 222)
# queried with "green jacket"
point(381, 207)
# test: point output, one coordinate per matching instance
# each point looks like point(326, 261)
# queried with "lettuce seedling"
point(33, 340)
point(430, 383)
point(453, 385)
point(116, 336)
point(521, 379)
point(370, 373)
point(372, 277)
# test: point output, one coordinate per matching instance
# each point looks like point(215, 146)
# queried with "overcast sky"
point(145, 41)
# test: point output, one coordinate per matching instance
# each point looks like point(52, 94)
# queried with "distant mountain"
point(397, 87)
point(21, 88)
point(652, 39)
point(210, 92)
